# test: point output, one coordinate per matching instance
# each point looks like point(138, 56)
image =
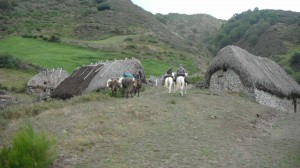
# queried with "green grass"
point(14, 78)
point(29, 149)
point(69, 57)
point(155, 67)
point(284, 60)
point(53, 55)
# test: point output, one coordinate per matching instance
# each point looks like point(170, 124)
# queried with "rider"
point(181, 72)
point(168, 74)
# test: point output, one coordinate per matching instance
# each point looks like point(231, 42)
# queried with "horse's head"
point(186, 74)
point(108, 82)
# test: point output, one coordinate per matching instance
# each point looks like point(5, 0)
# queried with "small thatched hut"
point(94, 77)
point(46, 81)
point(262, 79)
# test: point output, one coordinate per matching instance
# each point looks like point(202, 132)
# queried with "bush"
point(103, 6)
point(100, 1)
point(128, 39)
point(5, 5)
point(9, 61)
point(54, 39)
point(29, 149)
point(295, 61)
point(45, 38)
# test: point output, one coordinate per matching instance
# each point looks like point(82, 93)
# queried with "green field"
point(67, 56)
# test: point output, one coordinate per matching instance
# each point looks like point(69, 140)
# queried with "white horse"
point(169, 83)
point(181, 84)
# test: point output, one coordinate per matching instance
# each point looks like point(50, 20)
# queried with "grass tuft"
point(29, 149)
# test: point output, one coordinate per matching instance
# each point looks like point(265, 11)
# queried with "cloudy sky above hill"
point(221, 9)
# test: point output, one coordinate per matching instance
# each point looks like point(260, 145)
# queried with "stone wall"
point(230, 81)
point(227, 81)
point(282, 104)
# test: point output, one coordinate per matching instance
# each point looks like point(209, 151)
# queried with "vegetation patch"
point(30, 149)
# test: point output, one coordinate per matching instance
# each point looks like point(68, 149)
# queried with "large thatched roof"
point(48, 79)
point(93, 77)
point(254, 71)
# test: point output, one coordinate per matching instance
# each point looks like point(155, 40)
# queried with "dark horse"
point(137, 83)
point(128, 86)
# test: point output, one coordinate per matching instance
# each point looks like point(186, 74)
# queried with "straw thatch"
point(94, 77)
point(46, 80)
point(254, 72)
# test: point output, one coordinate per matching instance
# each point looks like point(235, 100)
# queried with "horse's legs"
point(185, 87)
point(174, 87)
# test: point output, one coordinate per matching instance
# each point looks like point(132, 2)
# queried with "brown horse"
point(114, 85)
point(128, 86)
point(137, 87)
point(137, 83)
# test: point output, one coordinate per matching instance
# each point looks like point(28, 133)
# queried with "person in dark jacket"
point(168, 74)
point(181, 72)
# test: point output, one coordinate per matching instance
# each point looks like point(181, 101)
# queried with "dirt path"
point(162, 130)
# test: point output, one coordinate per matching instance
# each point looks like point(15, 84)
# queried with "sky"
point(220, 9)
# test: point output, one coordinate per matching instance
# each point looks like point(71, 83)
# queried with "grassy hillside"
point(70, 56)
point(261, 32)
point(83, 20)
point(197, 30)
point(119, 30)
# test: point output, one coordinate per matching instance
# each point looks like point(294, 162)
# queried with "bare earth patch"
point(165, 130)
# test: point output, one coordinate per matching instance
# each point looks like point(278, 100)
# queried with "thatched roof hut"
point(46, 80)
point(94, 77)
point(254, 72)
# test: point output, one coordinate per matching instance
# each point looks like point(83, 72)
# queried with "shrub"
point(45, 38)
point(27, 36)
point(29, 149)
point(5, 5)
point(128, 39)
point(103, 6)
point(9, 61)
point(100, 1)
point(54, 39)
point(295, 61)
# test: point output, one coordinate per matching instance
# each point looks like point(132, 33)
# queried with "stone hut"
point(235, 69)
point(46, 81)
point(93, 77)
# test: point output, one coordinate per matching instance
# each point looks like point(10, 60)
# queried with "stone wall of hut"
point(230, 81)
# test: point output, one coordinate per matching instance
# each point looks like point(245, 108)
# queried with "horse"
point(137, 83)
point(114, 85)
point(137, 87)
point(181, 84)
point(169, 83)
point(128, 86)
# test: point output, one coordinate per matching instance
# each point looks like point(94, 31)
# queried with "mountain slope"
point(261, 32)
point(81, 22)
point(196, 30)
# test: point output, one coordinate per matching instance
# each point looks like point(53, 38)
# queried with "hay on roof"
point(94, 77)
point(254, 71)
point(46, 80)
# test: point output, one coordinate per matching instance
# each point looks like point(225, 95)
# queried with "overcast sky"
point(221, 9)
